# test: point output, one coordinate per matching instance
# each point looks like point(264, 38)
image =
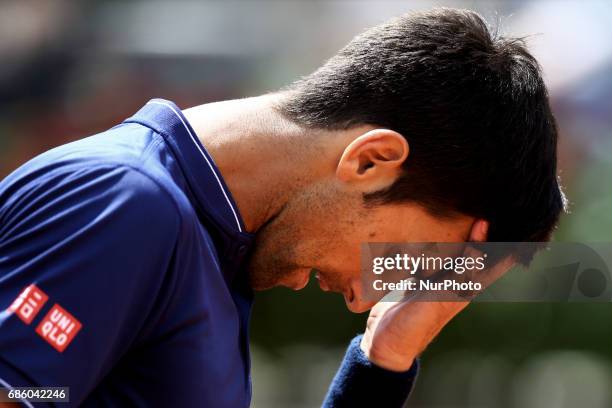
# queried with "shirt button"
point(242, 250)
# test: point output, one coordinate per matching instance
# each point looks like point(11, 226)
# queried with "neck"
point(262, 156)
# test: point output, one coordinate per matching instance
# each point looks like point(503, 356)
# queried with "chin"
point(259, 283)
point(259, 286)
point(296, 279)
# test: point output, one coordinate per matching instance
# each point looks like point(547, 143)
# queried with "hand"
point(397, 332)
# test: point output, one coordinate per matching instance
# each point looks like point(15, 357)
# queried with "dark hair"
point(472, 105)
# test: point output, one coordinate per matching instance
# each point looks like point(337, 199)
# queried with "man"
point(127, 259)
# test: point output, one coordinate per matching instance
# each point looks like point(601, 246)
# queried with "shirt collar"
point(203, 177)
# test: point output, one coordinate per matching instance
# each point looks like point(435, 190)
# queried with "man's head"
point(440, 123)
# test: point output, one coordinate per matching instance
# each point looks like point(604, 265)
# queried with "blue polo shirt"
point(122, 277)
point(121, 260)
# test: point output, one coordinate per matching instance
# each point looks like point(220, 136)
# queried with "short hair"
point(472, 105)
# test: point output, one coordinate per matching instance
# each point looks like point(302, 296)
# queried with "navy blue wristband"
point(361, 383)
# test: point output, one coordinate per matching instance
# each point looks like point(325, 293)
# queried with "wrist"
point(385, 358)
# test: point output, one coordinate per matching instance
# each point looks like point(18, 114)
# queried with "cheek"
point(451, 231)
point(346, 259)
point(417, 225)
point(336, 255)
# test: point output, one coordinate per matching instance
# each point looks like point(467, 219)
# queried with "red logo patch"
point(58, 328)
point(28, 303)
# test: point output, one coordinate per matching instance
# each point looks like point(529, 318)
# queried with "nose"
point(356, 303)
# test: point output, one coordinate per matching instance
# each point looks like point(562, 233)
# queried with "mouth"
point(348, 293)
point(349, 296)
point(322, 283)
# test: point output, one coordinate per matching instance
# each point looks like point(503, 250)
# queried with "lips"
point(325, 287)
point(322, 284)
point(351, 295)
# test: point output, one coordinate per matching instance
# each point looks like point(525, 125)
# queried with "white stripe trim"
point(7, 385)
point(205, 158)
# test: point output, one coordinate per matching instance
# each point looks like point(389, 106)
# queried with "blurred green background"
point(73, 68)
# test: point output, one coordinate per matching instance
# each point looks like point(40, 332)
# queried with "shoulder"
point(119, 165)
point(72, 197)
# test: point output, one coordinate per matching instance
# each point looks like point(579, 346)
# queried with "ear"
point(479, 231)
point(373, 160)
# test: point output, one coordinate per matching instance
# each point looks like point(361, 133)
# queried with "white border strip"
point(203, 155)
point(7, 385)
